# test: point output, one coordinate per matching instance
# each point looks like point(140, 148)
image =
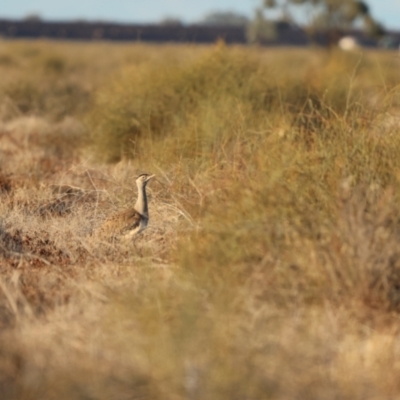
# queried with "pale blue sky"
point(386, 11)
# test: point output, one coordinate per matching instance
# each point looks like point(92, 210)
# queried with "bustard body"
point(132, 221)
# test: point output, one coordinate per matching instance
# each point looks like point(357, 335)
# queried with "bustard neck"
point(141, 202)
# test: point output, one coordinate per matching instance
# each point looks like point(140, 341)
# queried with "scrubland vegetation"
point(271, 265)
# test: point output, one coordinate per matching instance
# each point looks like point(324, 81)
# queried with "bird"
point(132, 221)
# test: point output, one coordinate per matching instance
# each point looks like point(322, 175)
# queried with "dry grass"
point(270, 268)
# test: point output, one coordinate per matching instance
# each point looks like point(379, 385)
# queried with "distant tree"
point(333, 17)
point(225, 18)
point(260, 29)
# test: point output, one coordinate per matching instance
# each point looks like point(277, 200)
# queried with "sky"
point(141, 11)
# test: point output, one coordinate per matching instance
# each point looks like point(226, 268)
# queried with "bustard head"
point(143, 179)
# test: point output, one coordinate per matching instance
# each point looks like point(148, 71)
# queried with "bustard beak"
point(150, 177)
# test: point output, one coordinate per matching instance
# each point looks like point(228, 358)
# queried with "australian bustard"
point(132, 221)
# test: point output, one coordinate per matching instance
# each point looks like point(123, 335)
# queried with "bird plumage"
point(132, 221)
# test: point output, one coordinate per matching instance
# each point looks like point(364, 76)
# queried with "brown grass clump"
point(270, 267)
point(153, 102)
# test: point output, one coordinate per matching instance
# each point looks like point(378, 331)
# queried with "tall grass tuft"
point(146, 103)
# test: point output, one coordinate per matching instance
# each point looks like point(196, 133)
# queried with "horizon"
point(189, 12)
